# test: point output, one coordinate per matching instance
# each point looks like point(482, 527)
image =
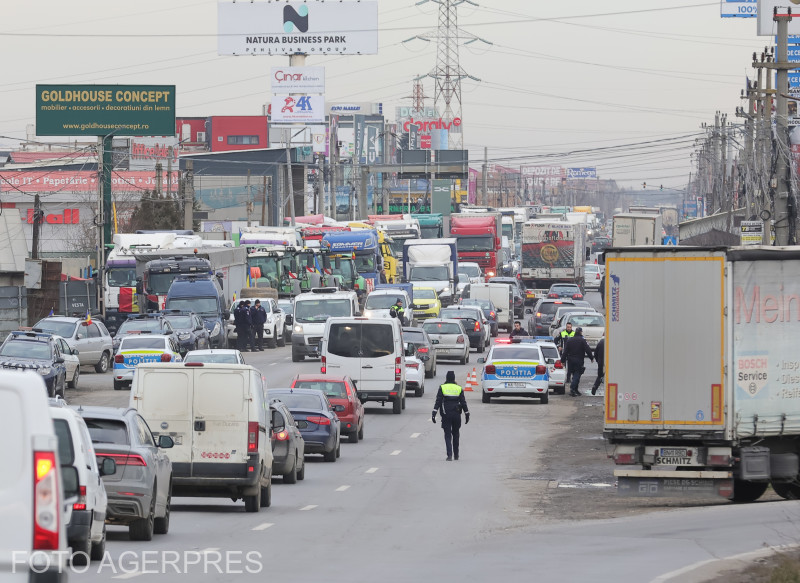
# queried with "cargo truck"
point(430, 224)
point(702, 374)
point(432, 263)
point(636, 229)
point(366, 251)
point(478, 235)
point(552, 252)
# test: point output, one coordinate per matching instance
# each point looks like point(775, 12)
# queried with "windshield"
point(207, 306)
point(565, 289)
point(424, 294)
point(63, 329)
point(151, 324)
point(476, 243)
point(441, 328)
point(550, 352)
point(213, 358)
point(482, 304)
point(340, 266)
point(413, 335)
point(24, 349)
point(397, 247)
point(508, 231)
point(139, 343)
point(287, 307)
point(320, 310)
point(264, 267)
point(365, 263)
point(515, 353)
point(158, 283)
point(180, 321)
point(381, 302)
point(430, 231)
point(470, 270)
point(332, 389)
point(121, 277)
point(588, 321)
point(298, 400)
point(429, 273)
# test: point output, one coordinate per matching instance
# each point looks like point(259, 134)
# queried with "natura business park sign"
point(100, 110)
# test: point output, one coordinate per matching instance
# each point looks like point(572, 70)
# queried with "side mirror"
point(69, 478)
point(165, 442)
point(289, 319)
point(79, 336)
point(481, 360)
point(338, 408)
point(527, 310)
point(277, 422)
point(75, 352)
point(108, 467)
point(59, 360)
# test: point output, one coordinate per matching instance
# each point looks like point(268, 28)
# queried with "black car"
point(36, 351)
point(154, 323)
point(192, 333)
point(565, 290)
point(489, 310)
point(543, 312)
point(288, 445)
point(422, 342)
point(469, 316)
point(518, 289)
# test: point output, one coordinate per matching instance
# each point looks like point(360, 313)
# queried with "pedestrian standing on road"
point(599, 354)
point(450, 402)
point(248, 326)
point(603, 290)
point(573, 354)
point(239, 324)
point(518, 330)
point(259, 319)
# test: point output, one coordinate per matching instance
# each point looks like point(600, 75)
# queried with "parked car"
point(475, 324)
point(189, 328)
point(343, 395)
point(288, 309)
point(140, 490)
point(288, 445)
point(274, 326)
point(71, 362)
point(565, 290)
point(135, 350)
point(415, 369)
point(422, 342)
point(518, 289)
point(91, 339)
point(489, 312)
point(34, 487)
point(215, 355)
point(315, 418)
point(36, 351)
point(592, 275)
point(542, 315)
point(86, 513)
point(450, 339)
point(154, 323)
point(592, 323)
point(515, 367)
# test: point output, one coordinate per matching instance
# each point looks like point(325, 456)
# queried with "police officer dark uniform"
point(259, 319)
point(247, 326)
point(240, 323)
point(561, 340)
point(399, 310)
point(450, 402)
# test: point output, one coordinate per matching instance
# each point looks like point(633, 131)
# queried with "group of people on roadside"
point(249, 323)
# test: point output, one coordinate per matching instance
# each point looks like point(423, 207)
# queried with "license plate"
point(515, 385)
point(673, 456)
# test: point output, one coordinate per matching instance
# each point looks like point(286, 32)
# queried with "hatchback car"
point(140, 490)
point(515, 367)
point(144, 323)
point(136, 349)
point(422, 342)
point(591, 276)
point(38, 352)
point(215, 355)
point(343, 396)
point(315, 418)
point(475, 324)
point(565, 290)
point(449, 338)
point(542, 315)
point(489, 312)
point(91, 339)
point(189, 327)
point(71, 362)
point(288, 445)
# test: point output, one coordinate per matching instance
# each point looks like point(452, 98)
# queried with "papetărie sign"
point(100, 110)
point(288, 28)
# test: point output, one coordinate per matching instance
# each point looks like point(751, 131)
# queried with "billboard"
point(287, 80)
point(99, 110)
point(313, 28)
point(298, 109)
point(353, 108)
point(548, 175)
point(581, 173)
point(766, 26)
point(738, 8)
point(146, 152)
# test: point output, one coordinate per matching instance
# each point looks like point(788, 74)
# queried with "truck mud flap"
point(681, 484)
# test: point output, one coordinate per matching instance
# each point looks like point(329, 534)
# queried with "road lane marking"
point(396, 452)
point(371, 471)
point(415, 435)
point(309, 507)
point(130, 575)
point(342, 488)
point(273, 363)
point(263, 526)
point(210, 550)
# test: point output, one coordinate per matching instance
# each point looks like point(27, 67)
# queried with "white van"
point(85, 515)
point(500, 295)
point(217, 415)
point(369, 351)
point(33, 539)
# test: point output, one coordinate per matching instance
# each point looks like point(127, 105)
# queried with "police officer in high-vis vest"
point(450, 402)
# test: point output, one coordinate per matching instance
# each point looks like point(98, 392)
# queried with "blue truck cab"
point(363, 244)
point(203, 295)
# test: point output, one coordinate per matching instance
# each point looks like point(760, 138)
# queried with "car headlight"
point(44, 371)
point(298, 329)
point(184, 336)
point(367, 313)
point(216, 329)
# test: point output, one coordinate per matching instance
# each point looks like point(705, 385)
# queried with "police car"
point(138, 348)
point(515, 367)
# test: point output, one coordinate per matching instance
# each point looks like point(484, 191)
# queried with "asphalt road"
point(392, 509)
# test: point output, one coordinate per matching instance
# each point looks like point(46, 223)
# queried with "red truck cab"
point(478, 238)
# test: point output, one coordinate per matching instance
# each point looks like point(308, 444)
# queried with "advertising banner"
point(46, 181)
point(751, 232)
point(581, 173)
point(550, 176)
point(146, 152)
point(287, 28)
point(99, 110)
point(287, 80)
point(298, 109)
point(738, 8)
point(352, 108)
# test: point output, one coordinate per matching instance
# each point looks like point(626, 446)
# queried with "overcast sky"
point(559, 76)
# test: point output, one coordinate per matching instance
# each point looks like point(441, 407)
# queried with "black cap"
point(578, 330)
point(450, 377)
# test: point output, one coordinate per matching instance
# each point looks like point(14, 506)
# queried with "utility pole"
point(290, 182)
point(249, 205)
point(169, 172)
point(37, 226)
point(784, 219)
point(159, 178)
point(484, 176)
point(264, 203)
point(188, 196)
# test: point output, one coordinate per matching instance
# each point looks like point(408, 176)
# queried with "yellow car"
point(426, 303)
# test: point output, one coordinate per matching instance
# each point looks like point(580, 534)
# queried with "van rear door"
point(378, 358)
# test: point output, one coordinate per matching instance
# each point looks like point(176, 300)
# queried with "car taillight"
point(552, 295)
point(490, 369)
point(503, 341)
point(460, 340)
point(541, 369)
point(46, 510)
point(252, 436)
point(477, 327)
point(119, 359)
point(324, 368)
point(623, 458)
point(597, 276)
point(123, 459)
point(397, 368)
point(81, 503)
point(577, 296)
point(166, 357)
point(422, 350)
point(282, 435)
point(558, 364)
point(320, 420)
point(413, 365)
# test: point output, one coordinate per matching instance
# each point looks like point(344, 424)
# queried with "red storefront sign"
point(68, 217)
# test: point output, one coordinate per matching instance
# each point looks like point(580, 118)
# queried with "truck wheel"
point(787, 490)
point(744, 491)
point(281, 340)
point(397, 406)
point(253, 503)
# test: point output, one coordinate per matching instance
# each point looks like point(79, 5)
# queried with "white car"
point(593, 326)
point(558, 373)
point(135, 349)
point(71, 361)
point(450, 339)
point(273, 327)
point(90, 338)
point(515, 367)
point(415, 370)
point(591, 276)
point(215, 355)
